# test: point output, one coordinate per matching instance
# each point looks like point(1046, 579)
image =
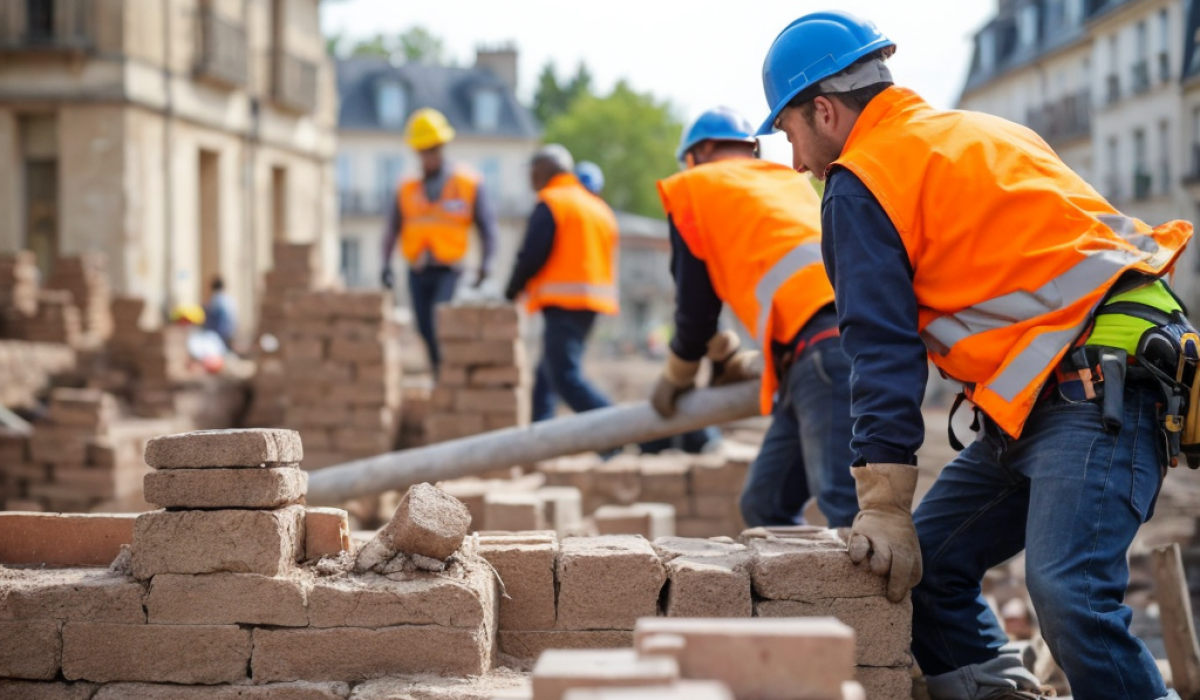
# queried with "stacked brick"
point(128, 338)
point(57, 319)
point(26, 369)
point(83, 457)
point(18, 291)
point(483, 382)
point(86, 278)
point(342, 373)
point(294, 270)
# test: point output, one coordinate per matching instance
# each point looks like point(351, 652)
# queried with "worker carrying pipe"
point(747, 232)
point(963, 237)
point(431, 218)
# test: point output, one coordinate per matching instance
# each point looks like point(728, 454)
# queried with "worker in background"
point(431, 220)
point(567, 269)
point(747, 232)
point(963, 236)
point(220, 316)
point(590, 176)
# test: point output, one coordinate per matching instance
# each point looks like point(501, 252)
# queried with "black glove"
point(388, 277)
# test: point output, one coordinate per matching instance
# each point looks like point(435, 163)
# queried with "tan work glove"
point(730, 364)
point(883, 534)
point(678, 378)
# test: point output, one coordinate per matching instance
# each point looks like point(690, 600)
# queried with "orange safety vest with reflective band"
point(443, 227)
point(757, 227)
point(581, 272)
point(1011, 251)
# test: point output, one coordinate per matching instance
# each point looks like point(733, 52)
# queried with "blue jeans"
point(806, 451)
point(691, 442)
point(560, 372)
point(1072, 496)
point(427, 288)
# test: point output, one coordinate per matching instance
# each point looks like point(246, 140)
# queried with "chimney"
point(501, 60)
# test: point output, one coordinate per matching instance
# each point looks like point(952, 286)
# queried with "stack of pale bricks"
point(342, 372)
point(57, 319)
point(26, 369)
point(483, 382)
point(85, 277)
point(18, 292)
point(236, 585)
point(294, 270)
point(82, 457)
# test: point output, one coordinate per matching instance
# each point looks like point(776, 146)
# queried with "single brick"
point(301, 690)
point(455, 322)
point(718, 476)
point(560, 670)
point(266, 542)
point(882, 629)
point(563, 507)
point(506, 511)
point(484, 353)
point(226, 599)
point(206, 449)
point(30, 649)
point(709, 586)
point(669, 548)
point(884, 683)
point(81, 594)
point(607, 582)
point(769, 659)
point(191, 654)
point(680, 690)
point(529, 644)
point(809, 570)
point(526, 573)
point(650, 520)
point(359, 653)
point(618, 480)
point(462, 597)
point(41, 690)
point(429, 522)
point(498, 377)
point(664, 475)
point(494, 686)
point(54, 539)
point(225, 488)
point(326, 532)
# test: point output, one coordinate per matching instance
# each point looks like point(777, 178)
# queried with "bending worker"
point(747, 232)
point(431, 219)
point(567, 269)
point(963, 237)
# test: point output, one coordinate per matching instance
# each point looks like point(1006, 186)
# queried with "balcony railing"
point(46, 25)
point(1112, 91)
point(1142, 184)
point(294, 83)
point(362, 203)
point(222, 50)
point(1065, 119)
point(1164, 66)
point(1141, 77)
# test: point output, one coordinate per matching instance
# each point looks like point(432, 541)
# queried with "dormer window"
point(1027, 26)
point(485, 109)
point(391, 104)
point(987, 50)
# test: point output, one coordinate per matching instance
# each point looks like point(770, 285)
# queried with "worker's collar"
point(886, 104)
point(563, 180)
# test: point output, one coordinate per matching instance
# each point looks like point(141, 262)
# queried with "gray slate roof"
point(445, 88)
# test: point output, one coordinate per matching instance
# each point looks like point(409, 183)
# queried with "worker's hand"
point(481, 278)
point(388, 278)
point(730, 364)
point(678, 378)
point(883, 536)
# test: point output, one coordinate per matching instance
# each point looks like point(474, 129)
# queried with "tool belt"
point(1167, 355)
point(786, 355)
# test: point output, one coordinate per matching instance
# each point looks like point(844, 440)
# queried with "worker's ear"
point(689, 159)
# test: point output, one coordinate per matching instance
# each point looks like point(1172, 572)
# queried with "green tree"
point(413, 45)
point(630, 135)
point(378, 45)
point(553, 98)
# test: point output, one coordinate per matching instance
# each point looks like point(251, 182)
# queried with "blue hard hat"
point(590, 175)
point(813, 48)
point(719, 123)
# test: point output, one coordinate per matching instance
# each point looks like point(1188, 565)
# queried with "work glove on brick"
point(731, 364)
point(678, 378)
point(883, 535)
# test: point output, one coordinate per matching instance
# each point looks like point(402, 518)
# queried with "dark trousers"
point(427, 288)
point(560, 372)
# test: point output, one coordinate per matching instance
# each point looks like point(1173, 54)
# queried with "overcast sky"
point(697, 53)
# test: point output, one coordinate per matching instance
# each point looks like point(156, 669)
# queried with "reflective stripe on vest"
point(599, 292)
point(796, 260)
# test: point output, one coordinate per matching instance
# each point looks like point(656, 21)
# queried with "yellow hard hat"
point(427, 128)
point(188, 313)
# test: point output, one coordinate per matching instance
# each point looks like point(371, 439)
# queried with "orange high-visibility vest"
point(757, 227)
point(442, 227)
point(1011, 251)
point(582, 270)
